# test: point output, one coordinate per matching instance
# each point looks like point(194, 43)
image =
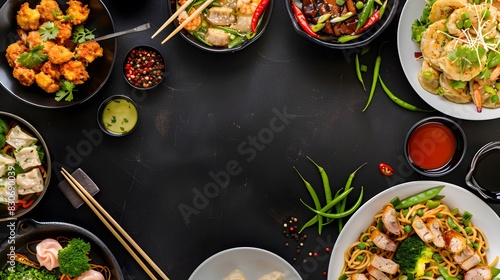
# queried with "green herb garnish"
point(82, 34)
point(66, 91)
point(33, 57)
point(48, 31)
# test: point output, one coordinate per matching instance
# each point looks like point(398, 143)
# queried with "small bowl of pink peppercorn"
point(144, 67)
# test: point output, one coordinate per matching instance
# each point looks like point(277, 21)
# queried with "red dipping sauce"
point(431, 146)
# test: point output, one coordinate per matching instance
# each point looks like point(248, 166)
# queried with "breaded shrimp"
point(13, 51)
point(75, 72)
point(59, 54)
point(25, 76)
point(87, 52)
point(46, 82)
point(27, 18)
point(49, 10)
point(77, 11)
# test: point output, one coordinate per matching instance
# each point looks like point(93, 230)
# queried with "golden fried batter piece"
point(13, 51)
point(51, 69)
point(74, 71)
point(49, 10)
point(25, 76)
point(46, 82)
point(88, 51)
point(27, 18)
point(47, 45)
point(33, 39)
point(65, 32)
point(59, 54)
point(77, 12)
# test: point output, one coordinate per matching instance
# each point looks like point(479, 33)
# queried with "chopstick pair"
point(184, 23)
point(114, 227)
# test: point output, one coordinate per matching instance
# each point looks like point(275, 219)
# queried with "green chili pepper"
point(340, 214)
point(236, 42)
point(358, 71)
point(419, 197)
point(398, 101)
point(347, 187)
point(347, 38)
point(376, 70)
point(326, 181)
point(365, 13)
point(332, 203)
point(315, 199)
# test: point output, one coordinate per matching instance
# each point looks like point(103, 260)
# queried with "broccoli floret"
point(412, 255)
point(3, 127)
point(22, 271)
point(2, 140)
point(73, 259)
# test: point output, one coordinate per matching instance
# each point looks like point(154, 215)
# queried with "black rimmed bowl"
point(99, 70)
point(118, 115)
point(265, 18)
point(435, 146)
point(28, 233)
point(144, 67)
point(331, 41)
point(482, 176)
point(28, 202)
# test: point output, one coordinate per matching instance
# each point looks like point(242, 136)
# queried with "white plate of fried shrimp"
point(484, 219)
point(35, 74)
point(407, 49)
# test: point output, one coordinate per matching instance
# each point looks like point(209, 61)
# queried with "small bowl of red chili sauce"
point(435, 146)
point(144, 67)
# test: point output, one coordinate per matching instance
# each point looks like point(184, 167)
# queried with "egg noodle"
point(357, 260)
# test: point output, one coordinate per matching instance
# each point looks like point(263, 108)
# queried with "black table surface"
point(232, 126)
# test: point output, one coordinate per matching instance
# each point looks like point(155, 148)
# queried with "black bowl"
point(426, 148)
point(28, 231)
point(197, 43)
point(46, 163)
point(158, 61)
point(99, 71)
point(482, 176)
point(331, 41)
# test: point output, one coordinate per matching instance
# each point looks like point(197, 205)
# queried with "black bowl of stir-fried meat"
point(223, 26)
point(25, 167)
point(48, 59)
point(341, 24)
point(38, 251)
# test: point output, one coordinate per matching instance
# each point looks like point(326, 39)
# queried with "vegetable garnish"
point(385, 169)
point(419, 197)
point(33, 58)
point(73, 258)
point(66, 91)
point(258, 13)
point(48, 31)
point(82, 34)
point(338, 202)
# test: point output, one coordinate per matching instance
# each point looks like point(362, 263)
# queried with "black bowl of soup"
point(224, 27)
point(338, 27)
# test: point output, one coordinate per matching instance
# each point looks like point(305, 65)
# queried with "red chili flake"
point(385, 169)
point(327, 249)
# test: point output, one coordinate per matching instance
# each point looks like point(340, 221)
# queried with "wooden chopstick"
point(174, 16)
point(184, 23)
point(113, 226)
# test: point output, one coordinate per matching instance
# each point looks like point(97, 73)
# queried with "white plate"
point(455, 197)
point(254, 262)
point(407, 48)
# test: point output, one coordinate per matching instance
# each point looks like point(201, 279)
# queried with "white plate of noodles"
point(454, 196)
point(407, 48)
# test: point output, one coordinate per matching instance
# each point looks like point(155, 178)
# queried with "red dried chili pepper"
point(301, 19)
point(369, 22)
point(385, 169)
point(258, 12)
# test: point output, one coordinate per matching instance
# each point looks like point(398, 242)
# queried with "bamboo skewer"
point(113, 226)
point(173, 17)
point(184, 23)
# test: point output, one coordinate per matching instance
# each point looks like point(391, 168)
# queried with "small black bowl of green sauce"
point(482, 176)
point(118, 115)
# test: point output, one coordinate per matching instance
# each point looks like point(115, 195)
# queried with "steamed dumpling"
point(46, 253)
point(236, 275)
point(30, 182)
point(18, 138)
point(275, 275)
point(91, 275)
point(5, 162)
point(28, 157)
point(8, 191)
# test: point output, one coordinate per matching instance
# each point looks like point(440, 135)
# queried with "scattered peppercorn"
point(144, 67)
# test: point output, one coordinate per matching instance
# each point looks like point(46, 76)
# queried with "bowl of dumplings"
point(49, 60)
point(25, 166)
point(245, 263)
